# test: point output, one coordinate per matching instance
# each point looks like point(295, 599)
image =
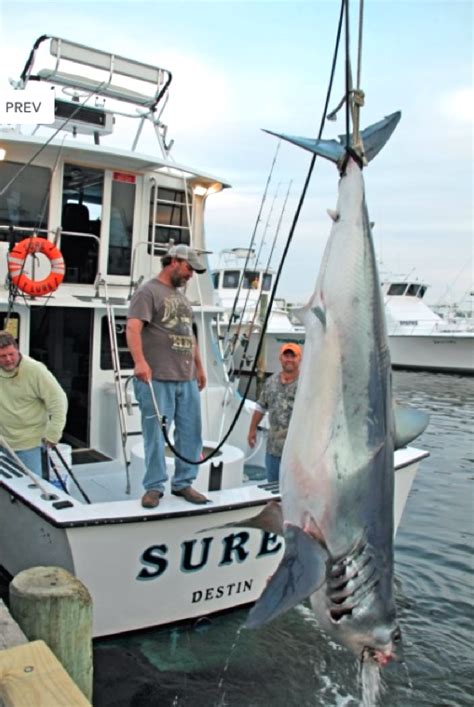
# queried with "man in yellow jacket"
point(33, 405)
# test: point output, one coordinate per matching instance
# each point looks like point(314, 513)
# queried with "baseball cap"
point(291, 346)
point(186, 253)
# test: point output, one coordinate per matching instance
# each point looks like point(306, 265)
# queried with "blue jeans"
point(31, 458)
point(178, 401)
point(272, 464)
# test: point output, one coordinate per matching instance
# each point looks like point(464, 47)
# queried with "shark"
point(337, 469)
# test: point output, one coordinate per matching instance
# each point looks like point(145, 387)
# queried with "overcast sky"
point(242, 66)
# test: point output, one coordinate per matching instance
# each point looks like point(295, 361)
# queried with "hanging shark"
point(337, 469)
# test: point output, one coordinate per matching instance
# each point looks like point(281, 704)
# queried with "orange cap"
point(291, 346)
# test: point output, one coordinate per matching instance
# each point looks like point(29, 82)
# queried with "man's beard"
point(177, 281)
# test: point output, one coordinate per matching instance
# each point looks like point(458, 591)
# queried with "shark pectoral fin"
point(300, 573)
point(269, 519)
point(299, 313)
point(409, 424)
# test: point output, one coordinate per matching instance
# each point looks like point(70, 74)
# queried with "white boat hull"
point(444, 352)
point(151, 568)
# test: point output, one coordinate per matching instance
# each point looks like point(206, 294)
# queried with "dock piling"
point(51, 604)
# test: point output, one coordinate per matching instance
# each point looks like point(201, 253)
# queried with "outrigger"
point(111, 213)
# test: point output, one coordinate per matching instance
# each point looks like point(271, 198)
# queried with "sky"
point(239, 67)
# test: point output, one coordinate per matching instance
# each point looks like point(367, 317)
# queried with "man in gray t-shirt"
point(164, 350)
point(277, 398)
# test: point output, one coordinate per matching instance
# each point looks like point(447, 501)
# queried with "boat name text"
point(194, 554)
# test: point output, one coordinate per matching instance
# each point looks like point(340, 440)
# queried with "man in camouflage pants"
point(277, 399)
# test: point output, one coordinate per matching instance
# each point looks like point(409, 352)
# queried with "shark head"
point(371, 636)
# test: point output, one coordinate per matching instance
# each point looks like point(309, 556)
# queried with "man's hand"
point(201, 379)
point(252, 437)
point(143, 371)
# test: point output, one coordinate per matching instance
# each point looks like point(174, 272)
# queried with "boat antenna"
point(163, 420)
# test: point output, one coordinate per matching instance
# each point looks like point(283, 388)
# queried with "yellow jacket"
point(33, 405)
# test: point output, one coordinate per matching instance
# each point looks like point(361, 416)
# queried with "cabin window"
point(171, 218)
point(267, 282)
point(11, 324)
point(397, 289)
point(231, 279)
point(421, 291)
point(251, 280)
point(121, 225)
point(83, 190)
point(126, 360)
point(413, 290)
point(25, 202)
point(215, 280)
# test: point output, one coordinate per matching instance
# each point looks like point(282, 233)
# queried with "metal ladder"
point(123, 398)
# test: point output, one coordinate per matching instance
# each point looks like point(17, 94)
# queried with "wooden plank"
point(31, 674)
point(10, 633)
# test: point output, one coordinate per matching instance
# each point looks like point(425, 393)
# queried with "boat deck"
point(105, 485)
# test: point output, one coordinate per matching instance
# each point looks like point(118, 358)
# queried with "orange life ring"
point(16, 263)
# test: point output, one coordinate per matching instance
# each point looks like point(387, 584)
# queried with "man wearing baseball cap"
point(277, 398)
point(165, 352)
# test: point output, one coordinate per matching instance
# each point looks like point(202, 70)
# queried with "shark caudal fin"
point(300, 573)
point(373, 139)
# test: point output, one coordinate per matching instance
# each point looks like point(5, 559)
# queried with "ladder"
point(124, 403)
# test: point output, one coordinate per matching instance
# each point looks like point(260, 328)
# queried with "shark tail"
point(373, 139)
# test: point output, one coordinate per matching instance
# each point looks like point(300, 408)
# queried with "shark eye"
point(397, 636)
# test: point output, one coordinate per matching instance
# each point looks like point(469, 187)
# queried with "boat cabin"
point(111, 212)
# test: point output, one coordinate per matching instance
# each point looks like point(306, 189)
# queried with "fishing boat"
point(111, 213)
point(419, 338)
point(243, 287)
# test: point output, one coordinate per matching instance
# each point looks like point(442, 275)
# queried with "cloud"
point(458, 105)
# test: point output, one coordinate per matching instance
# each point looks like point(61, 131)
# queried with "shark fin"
point(300, 313)
point(373, 139)
point(409, 424)
point(269, 519)
point(300, 573)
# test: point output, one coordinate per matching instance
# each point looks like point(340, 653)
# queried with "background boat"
point(419, 338)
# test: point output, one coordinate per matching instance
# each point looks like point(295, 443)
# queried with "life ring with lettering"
point(16, 264)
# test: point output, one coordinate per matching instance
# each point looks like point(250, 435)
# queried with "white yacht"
point(418, 337)
point(82, 224)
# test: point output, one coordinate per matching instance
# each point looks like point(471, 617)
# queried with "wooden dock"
point(30, 674)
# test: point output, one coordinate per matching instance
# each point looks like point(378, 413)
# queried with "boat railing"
point(111, 73)
point(82, 72)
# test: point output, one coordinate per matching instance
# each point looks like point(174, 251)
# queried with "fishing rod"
point(249, 288)
point(237, 295)
point(267, 268)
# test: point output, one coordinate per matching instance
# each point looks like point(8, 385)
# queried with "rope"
point(278, 273)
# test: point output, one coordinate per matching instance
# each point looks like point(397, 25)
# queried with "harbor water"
point(291, 663)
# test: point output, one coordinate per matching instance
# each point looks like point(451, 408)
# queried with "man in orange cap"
point(277, 399)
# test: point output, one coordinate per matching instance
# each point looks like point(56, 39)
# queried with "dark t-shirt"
point(277, 399)
point(167, 335)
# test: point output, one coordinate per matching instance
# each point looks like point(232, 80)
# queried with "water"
point(291, 663)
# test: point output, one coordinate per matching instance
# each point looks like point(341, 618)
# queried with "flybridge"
point(90, 77)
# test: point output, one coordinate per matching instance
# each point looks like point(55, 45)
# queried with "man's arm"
point(56, 404)
point(134, 342)
point(199, 368)
point(257, 417)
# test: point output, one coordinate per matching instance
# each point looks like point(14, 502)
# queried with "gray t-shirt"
point(277, 398)
point(167, 335)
